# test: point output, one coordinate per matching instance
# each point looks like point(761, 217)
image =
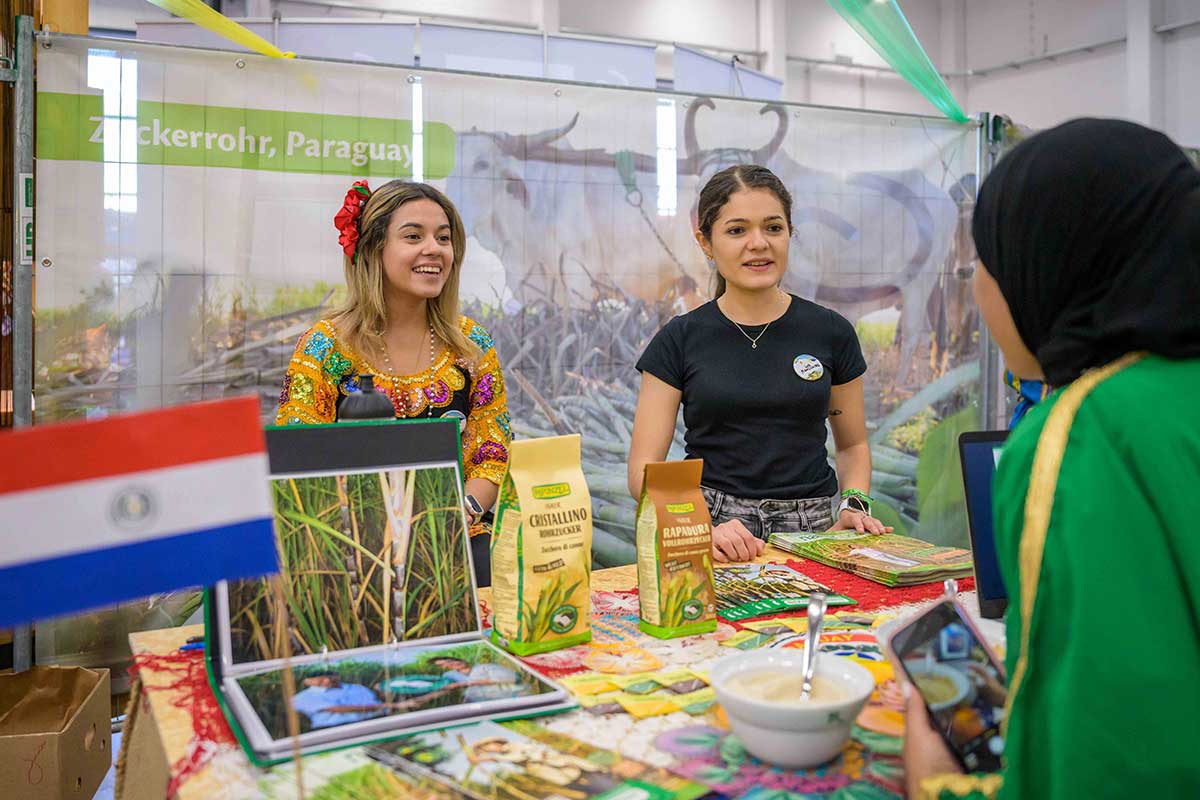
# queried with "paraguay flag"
point(93, 513)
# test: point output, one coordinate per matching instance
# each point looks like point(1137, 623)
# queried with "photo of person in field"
point(478, 682)
point(385, 684)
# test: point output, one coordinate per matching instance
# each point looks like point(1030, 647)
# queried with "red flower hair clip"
point(346, 220)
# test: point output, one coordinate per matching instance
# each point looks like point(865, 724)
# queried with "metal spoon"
point(816, 619)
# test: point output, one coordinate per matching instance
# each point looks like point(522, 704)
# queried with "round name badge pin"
point(808, 367)
point(457, 415)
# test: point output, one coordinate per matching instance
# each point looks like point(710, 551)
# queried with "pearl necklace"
point(387, 363)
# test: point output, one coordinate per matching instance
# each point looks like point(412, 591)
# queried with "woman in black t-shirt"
point(757, 371)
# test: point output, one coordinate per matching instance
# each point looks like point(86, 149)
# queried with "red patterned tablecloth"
point(871, 596)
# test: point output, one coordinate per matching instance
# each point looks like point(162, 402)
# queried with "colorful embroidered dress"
point(325, 369)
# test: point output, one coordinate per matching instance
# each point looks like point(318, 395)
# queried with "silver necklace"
point(754, 339)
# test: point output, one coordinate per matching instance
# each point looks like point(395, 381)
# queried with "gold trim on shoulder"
point(959, 785)
point(1039, 501)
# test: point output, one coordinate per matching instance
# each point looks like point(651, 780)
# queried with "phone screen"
point(962, 686)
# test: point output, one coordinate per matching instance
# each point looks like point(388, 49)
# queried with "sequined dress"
point(324, 370)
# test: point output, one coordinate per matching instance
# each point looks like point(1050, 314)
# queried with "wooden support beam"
point(65, 16)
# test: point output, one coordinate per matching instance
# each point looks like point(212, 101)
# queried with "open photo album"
point(373, 629)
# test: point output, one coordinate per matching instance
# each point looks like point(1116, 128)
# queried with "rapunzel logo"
point(681, 508)
point(550, 491)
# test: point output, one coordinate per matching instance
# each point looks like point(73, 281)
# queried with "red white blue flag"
point(93, 513)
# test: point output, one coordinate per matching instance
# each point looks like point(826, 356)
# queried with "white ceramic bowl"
point(792, 735)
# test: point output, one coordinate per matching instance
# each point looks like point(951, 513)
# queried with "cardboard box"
point(55, 733)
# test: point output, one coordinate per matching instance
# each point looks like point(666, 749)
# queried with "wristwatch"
point(474, 509)
point(854, 502)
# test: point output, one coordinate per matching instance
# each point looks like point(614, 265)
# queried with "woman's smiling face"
point(418, 254)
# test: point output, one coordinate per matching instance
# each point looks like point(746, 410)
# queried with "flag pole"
point(289, 683)
point(22, 261)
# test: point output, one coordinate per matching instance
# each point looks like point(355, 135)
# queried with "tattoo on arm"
point(833, 412)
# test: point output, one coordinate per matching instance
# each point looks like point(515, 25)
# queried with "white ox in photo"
point(578, 226)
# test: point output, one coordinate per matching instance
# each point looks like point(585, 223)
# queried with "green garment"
point(415, 684)
point(1109, 706)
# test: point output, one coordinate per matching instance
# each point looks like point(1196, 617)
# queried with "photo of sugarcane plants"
point(372, 685)
point(365, 559)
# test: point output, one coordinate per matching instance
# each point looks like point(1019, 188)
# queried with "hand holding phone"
point(925, 752)
point(959, 680)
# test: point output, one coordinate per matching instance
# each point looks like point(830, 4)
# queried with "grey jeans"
point(764, 517)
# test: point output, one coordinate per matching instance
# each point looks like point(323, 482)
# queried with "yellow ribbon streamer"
point(218, 23)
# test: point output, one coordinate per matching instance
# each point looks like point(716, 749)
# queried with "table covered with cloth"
point(177, 743)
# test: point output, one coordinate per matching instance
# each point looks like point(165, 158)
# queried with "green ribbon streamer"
point(882, 25)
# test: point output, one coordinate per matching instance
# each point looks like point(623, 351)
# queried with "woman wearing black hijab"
point(1089, 241)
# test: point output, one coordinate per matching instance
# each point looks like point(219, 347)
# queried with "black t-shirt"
point(758, 425)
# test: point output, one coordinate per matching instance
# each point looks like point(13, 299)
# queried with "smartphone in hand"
point(959, 678)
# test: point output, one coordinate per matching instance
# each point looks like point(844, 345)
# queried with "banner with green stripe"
point(72, 127)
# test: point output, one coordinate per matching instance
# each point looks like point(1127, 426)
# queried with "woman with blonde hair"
point(404, 245)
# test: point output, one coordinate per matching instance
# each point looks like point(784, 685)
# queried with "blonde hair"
point(363, 316)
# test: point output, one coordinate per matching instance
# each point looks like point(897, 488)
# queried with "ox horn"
point(537, 140)
point(768, 151)
point(690, 146)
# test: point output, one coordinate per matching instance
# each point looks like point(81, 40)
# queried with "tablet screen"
point(980, 455)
